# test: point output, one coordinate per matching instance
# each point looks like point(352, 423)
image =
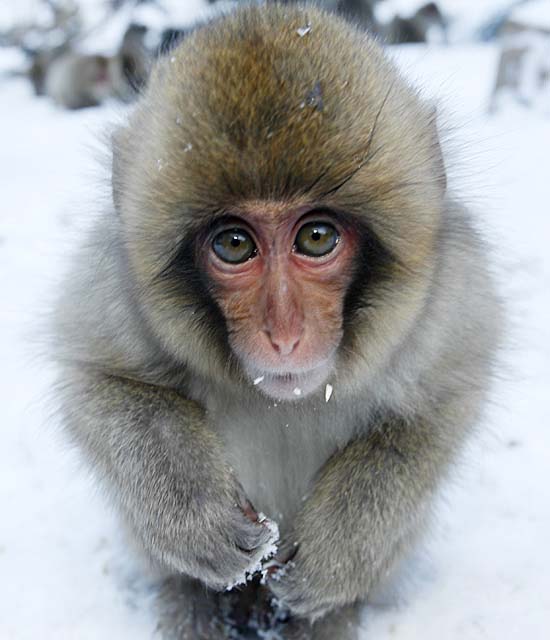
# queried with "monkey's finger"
point(287, 553)
point(250, 512)
point(224, 566)
point(244, 502)
point(252, 536)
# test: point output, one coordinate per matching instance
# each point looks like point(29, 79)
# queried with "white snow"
point(485, 569)
point(535, 14)
point(23, 12)
point(105, 32)
point(103, 28)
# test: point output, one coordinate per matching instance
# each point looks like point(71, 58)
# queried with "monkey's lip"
point(291, 385)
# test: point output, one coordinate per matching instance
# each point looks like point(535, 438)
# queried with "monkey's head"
point(279, 188)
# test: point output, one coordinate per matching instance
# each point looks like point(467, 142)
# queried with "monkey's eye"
point(316, 239)
point(234, 245)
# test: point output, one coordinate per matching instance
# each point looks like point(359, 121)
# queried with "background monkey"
point(286, 310)
point(76, 81)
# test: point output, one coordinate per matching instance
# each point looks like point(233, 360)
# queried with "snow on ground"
point(535, 14)
point(485, 572)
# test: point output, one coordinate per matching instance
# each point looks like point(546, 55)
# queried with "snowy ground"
point(485, 572)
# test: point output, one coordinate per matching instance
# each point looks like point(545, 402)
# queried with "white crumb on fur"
point(297, 391)
point(270, 549)
point(267, 570)
point(259, 379)
point(303, 31)
point(280, 571)
point(328, 392)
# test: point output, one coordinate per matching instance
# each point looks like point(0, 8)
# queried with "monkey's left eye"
point(316, 239)
point(234, 246)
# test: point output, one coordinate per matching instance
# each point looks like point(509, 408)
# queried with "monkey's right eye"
point(234, 246)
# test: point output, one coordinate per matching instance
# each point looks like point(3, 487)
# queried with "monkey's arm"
point(166, 472)
point(368, 503)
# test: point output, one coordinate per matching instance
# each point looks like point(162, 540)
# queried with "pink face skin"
point(283, 309)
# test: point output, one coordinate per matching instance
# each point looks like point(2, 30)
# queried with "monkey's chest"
point(276, 449)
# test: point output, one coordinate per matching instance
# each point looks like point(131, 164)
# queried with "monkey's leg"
point(341, 624)
point(167, 473)
point(189, 611)
point(366, 506)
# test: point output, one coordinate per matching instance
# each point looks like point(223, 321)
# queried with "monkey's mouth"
point(291, 385)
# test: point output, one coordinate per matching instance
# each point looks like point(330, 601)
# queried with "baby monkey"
point(284, 313)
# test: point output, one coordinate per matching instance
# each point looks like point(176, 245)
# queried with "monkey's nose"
point(283, 345)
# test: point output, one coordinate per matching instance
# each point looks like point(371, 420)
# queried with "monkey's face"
point(280, 199)
point(279, 277)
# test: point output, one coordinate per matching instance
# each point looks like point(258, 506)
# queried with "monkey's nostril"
point(289, 347)
point(284, 346)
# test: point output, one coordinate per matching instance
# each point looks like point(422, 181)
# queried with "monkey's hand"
point(225, 541)
point(307, 584)
point(365, 507)
point(167, 472)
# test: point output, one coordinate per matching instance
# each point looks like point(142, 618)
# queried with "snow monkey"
point(285, 319)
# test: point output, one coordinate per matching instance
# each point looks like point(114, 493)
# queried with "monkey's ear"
point(118, 145)
point(441, 171)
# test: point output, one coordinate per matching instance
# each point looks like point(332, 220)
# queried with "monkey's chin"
point(291, 386)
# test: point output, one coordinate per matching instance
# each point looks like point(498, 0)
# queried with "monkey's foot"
point(189, 611)
point(342, 624)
